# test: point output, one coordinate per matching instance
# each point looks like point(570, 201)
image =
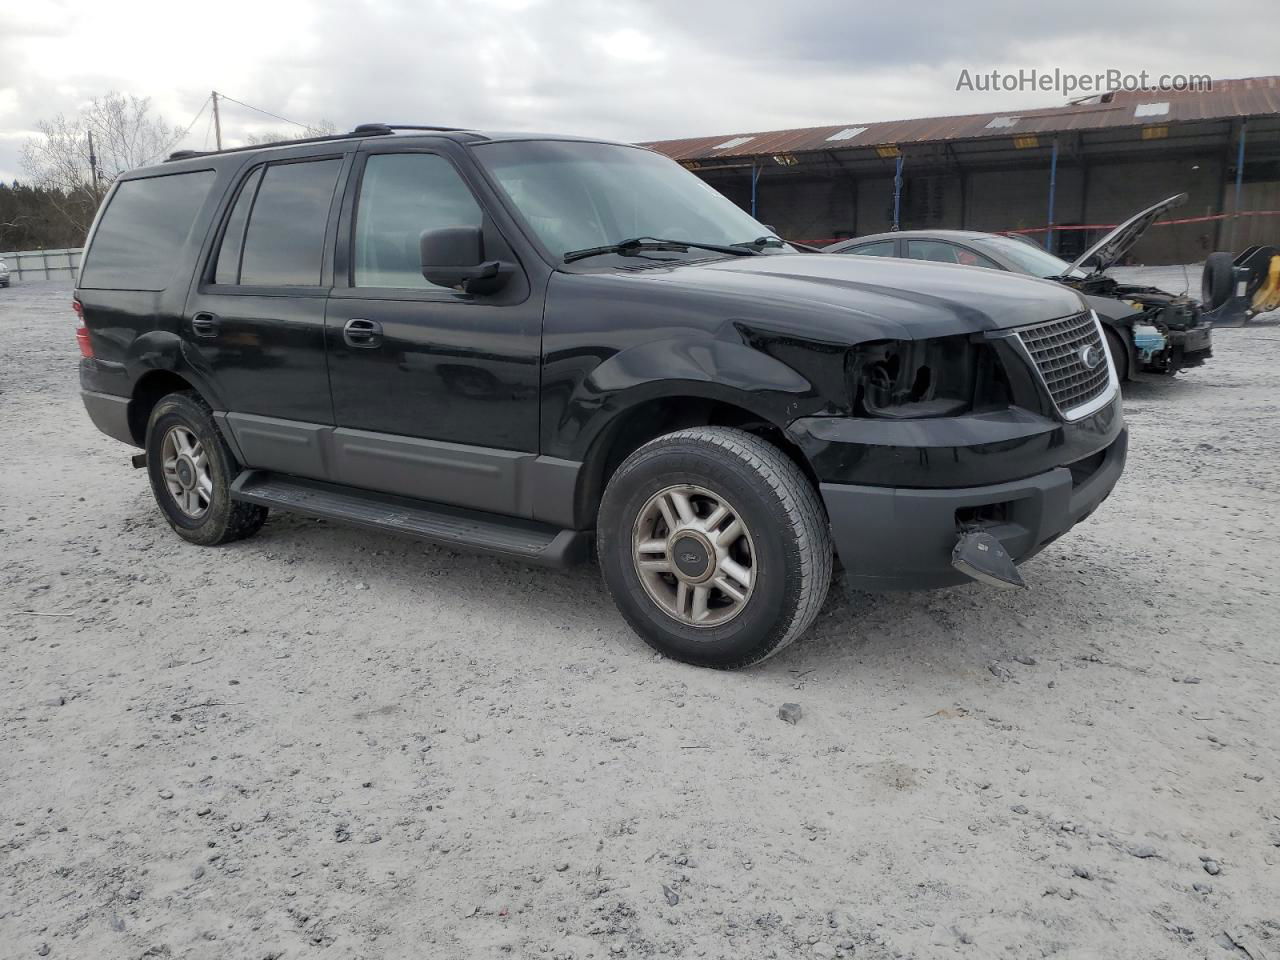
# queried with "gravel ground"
point(323, 742)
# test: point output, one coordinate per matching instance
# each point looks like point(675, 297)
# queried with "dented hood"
point(1108, 251)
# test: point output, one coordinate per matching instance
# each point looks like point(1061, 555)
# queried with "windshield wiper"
point(759, 243)
point(636, 244)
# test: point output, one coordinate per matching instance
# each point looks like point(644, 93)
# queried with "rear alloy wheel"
point(191, 468)
point(714, 546)
point(186, 471)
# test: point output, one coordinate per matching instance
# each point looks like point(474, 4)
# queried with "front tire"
point(191, 468)
point(1119, 354)
point(714, 546)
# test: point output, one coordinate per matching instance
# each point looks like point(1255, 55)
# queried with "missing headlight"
point(912, 379)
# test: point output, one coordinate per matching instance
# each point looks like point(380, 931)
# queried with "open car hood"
point(1107, 252)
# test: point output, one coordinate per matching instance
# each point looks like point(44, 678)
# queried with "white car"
point(4, 274)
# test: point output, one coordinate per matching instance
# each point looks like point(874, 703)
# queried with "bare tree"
point(324, 128)
point(126, 134)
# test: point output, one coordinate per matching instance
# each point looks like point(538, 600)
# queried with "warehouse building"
point(1058, 174)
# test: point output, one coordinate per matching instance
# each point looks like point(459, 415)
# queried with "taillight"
point(82, 332)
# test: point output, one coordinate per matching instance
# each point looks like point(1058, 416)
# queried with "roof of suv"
point(370, 130)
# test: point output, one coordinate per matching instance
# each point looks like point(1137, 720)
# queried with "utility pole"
point(93, 166)
point(217, 121)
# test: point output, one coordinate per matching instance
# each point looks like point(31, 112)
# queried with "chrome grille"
point(1057, 349)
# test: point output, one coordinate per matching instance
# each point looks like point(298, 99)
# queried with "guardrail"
point(42, 264)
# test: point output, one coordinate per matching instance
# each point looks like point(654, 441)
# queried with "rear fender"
point(164, 350)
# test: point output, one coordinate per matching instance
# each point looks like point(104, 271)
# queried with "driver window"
point(402, 195)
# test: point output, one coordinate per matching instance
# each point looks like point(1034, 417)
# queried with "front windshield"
point(579, 195)
point(1027, 257)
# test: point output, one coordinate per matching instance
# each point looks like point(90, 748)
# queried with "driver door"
point(435, 391)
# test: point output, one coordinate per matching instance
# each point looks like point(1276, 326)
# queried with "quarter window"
point(143, 232)
point(284, 243)
point(401, 196)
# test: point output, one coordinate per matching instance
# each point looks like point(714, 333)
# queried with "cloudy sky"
point(638, 70)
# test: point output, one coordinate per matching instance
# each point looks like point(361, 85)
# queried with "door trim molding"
point(514, 483)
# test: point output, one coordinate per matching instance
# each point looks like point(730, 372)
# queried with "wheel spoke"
point(682, 599)
point(700, 596)
point(668, 513)
point(736, 571)
point(716, 518)
point(730, 533)
point(683, 506)
point(728, 589)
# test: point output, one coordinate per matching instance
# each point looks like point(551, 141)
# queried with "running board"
point(486, 532)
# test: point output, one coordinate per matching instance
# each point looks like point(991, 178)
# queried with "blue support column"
point(755, 178)
point(1053, 188)
point(1235, 211)
point(897, 191)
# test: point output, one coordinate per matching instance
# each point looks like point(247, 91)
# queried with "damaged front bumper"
point(894, 538)
point(899, 495)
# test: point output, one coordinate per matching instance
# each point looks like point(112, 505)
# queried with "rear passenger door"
point(256, 319)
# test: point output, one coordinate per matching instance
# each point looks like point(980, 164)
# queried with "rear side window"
point(284, 243)
point(140, 239)
point(881, 248)
point(228, 269)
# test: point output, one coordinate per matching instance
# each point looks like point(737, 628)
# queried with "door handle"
point(362, 333)
point(204, 325)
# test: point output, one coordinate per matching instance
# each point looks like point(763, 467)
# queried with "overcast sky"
point(638, 70)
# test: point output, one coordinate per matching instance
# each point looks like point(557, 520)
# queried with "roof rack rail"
point(378, 128)
point(364, 130)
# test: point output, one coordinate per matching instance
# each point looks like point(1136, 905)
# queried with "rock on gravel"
point(790, 713)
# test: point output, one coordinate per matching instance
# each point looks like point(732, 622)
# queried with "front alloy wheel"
point(714, 545)
point(694, 555)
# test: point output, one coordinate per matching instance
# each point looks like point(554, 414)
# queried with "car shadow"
point(957, 630)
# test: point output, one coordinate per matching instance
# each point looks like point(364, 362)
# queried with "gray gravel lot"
point(323, 742)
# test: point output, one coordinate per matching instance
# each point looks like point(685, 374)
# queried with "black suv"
point(531, 345)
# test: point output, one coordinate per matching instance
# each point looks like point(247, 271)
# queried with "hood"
point(1108, 251)
point(904, 299)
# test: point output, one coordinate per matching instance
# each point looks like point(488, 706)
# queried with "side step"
point(486, 532)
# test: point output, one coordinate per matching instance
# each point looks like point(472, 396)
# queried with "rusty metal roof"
point(1251, 96)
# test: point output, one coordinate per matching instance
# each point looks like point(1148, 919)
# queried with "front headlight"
point(914, 379)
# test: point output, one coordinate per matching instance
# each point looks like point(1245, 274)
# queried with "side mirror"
point(454, 257)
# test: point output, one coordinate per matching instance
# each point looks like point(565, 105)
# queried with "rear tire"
point(1119, 354)
point(191, 468)
point(737, 524)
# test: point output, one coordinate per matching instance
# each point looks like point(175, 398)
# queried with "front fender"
point(725, 370)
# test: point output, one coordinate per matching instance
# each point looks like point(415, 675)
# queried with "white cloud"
point(636, 71)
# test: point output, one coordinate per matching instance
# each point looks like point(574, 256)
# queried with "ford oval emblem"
point(1091, 356)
